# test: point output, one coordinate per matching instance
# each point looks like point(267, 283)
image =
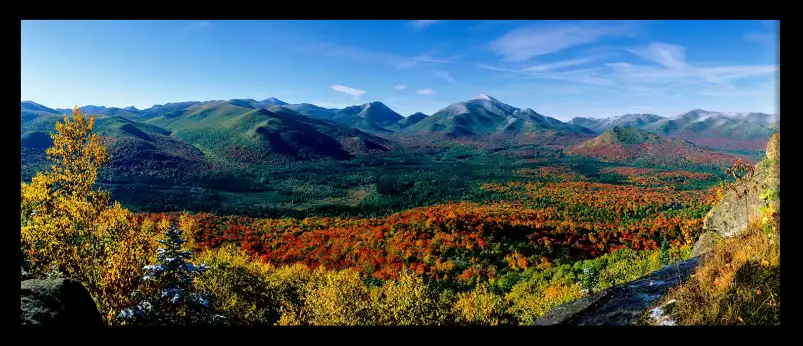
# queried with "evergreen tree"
point(169, 296)
point(664, 255)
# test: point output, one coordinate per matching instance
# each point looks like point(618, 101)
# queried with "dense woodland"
point(421, 235)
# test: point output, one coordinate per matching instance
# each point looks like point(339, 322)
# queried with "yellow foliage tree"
point(407, 301)
point(241, 285)
point(480, 306)
point(336, 298)
point(70, 227)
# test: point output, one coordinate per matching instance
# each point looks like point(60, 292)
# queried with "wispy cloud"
point(760, 37)
point(196, 25)
point(355, 93)
point(425, 92)
point(399, 87)
point(425, 58)
point(447, 76)
point(560, 64)
point(342, 51)
point(494, 68)
point(422, 24)
point(665, 73)
point(533, 41)
point(673, 65)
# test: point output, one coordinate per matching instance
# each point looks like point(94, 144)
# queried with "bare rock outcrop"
point(742, 205)
point(57, 303)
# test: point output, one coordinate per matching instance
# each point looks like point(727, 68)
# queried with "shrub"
point(335, 298)
point(242, 286)
point(407, 301)
point(737, 283)
point(481, 307)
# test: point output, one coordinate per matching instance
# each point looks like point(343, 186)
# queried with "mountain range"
point(739, 131)
point(272, 127)
point(631, 145)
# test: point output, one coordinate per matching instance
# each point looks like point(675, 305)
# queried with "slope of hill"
point(373, 116)
point(635, 146)
point(33, 106)
point(312, 111)
point(717, 130)
point(486, 117)
point(138, 152)
point(408, 121)
point(600, 125)
point(236, 131)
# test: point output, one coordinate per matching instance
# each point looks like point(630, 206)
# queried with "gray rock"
point(57, 303)
point(621, 304)
point(739, 208)
point(705, 243)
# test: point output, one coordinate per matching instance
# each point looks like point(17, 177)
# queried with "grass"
point(738, 283)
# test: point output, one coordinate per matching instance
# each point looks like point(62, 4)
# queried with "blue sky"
point(558, 68)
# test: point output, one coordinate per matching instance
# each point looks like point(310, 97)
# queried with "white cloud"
point(559, 64)
point(760, 37)
point(673, 59)
point(335, 50)
point(197, 25)
point(422, 24)
point(528, 42)
point(493, 68)
point(425, 92)
point(414, 61)
point(446, 76)
point(399, 87)
point(406, 64)
point(355, 93)
point(427, 58)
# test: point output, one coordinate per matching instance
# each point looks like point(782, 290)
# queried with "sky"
point(562, 69)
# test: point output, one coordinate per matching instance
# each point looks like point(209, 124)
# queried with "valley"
point(269, 158)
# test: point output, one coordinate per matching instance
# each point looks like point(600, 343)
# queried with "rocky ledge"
point(622, 304)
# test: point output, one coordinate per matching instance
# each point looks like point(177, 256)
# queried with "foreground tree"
point(68, 226)
point(168, 295)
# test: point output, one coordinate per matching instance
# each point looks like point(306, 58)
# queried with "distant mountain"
point(134, 147)
point(636, 146)
point(159, 110)
point(30, 110)
point(33, 106)
point(486, 117)
point(375, 112)
point(600, 125)
point(236, 131)
point(748, 131)
point(410, 120)
point(313, 111)
point(273, 101)
point(372, 117)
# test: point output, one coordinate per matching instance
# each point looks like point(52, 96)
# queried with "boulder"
point(705, 243)
point(57, 303)
point(739, 208)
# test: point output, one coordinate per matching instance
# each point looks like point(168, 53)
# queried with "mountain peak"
point(486, 97)
point(273, 101)
point(375, 104)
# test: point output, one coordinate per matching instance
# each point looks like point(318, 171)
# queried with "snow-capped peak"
point(486, 97)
